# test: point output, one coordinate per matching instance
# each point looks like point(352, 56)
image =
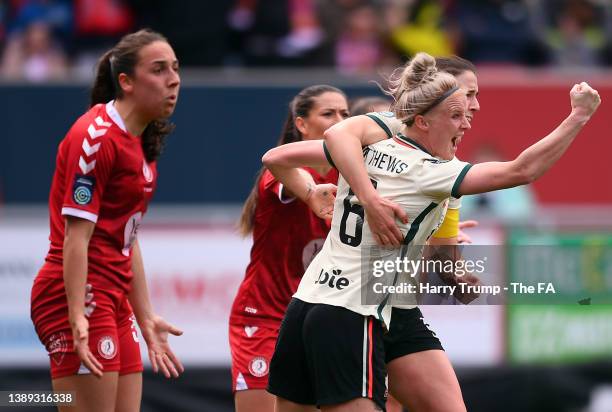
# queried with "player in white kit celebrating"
point(330, 349)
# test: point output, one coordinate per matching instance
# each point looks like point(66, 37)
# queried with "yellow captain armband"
point(450, 225)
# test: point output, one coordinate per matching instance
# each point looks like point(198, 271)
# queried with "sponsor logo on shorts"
point(107, 348)
point(57, 345)
point(258, 366)
point(250, 310)
point(333, 280)
point(250, 330)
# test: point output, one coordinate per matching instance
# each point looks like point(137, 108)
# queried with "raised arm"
point(538, 158)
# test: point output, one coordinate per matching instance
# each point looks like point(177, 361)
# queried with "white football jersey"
point(403, 171)
point(392, 126)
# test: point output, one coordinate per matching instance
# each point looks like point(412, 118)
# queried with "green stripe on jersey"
point(410, 141)
point(455, 189)
point(381, 124)
point(328, 156)
point(414, 229)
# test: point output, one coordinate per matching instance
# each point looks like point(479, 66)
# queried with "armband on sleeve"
point(450, 225)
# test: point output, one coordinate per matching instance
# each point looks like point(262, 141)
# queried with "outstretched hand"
point(155, 332)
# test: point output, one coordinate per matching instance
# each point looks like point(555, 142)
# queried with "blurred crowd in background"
point(47, 39)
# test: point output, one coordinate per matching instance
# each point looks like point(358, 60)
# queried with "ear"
point(125, 83)
point(301, 125)
point(421, 122)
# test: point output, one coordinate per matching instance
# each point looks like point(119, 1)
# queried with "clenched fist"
point(585, 100)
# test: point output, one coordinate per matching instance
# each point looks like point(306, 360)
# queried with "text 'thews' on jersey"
point(403, 171)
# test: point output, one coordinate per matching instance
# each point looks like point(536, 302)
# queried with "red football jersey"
point(101, 175)
point(286, 237)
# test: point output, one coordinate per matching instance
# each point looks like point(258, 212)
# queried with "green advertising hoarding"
point(560, 333)
point(579, 265)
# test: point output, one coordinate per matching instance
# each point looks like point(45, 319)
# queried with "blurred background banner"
point(21, 255)
point(193, 270)
point(212, 158)
point(582, 263)
point(241, 63)
point(559, 334)
point(193, 277)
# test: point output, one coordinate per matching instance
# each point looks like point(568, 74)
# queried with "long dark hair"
point(122, 59)
point(300, 106)
point(455, 65)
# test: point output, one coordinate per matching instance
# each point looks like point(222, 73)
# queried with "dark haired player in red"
point(286, 237)
point(93, 275)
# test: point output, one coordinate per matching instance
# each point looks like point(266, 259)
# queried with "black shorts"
point(327, 355)
point(408, 334)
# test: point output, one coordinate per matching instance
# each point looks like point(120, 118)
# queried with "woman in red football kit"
point(286, 236)
point(93, 275)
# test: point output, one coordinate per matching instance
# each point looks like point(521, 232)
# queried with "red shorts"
point(113, 337)
point(252, 349)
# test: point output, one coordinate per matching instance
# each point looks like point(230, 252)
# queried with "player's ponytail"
point(289, 134)
point(247, 217)
point(300, 106)
point(123, 59)
point(245, 225)
point(103, 89)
